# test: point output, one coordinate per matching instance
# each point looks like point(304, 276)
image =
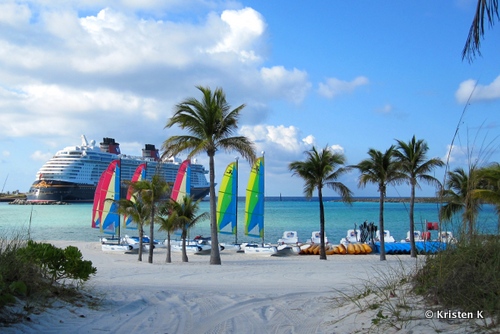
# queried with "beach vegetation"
point(403, 294)
point(412, 159)
point(151, 193)
point(184, 216)
point(465, 276)
point(137, 211)
point(388, 301)
point(33, 272)
point(167, 223)
point(490, 188)
point(486, 12)
point(322, 169)
point(211, 123)
point(381, 169)
point(458, 197)
point(56, 264)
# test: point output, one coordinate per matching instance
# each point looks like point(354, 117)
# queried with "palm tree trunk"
point(381, 223)
point(412, 222)
point(151, 232)
point(214, 253)
point(322, 250)
point(141, 234)
point(169, 256)
point(184, 255)
point(498, 224)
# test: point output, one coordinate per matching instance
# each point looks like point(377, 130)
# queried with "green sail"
point(227, 201)
point(254, 204)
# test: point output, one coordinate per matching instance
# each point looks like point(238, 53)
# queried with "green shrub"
point(56, 264)
point(75, 267)
point(465, 276)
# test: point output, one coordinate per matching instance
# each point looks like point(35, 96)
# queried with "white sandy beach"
point(246, 294)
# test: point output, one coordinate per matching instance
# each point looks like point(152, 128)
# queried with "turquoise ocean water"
point(73, 222)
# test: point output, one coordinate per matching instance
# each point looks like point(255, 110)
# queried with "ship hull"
point(47, 191)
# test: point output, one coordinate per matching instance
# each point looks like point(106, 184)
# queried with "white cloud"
point(337, 149)
point(60, 110)
point(244, 28)
point(277, 139)
point(40, 156)
point(118, 71)
point(309, 140)
point(14, 14)
point(466, 90)
point(292, 85)
point(334, 87)
point(458, 155)
point(6, 153)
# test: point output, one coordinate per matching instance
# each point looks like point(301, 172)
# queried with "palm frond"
point(486, 11)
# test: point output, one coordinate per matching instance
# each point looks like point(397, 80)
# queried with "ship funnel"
point(150, 151)
point(110, 146)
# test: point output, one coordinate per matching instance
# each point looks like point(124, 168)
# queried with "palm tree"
point(322, 169)
point(138, 212)
point(212, 125)
point(489, 191)
point(411, 158)
point(380, 169)
point(458, 196)
point(152, 193)
point(486, 9)
point(166, 218)
point(184, 217)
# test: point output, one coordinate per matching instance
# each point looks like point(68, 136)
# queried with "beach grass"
point(466, 276)
point(398, 298)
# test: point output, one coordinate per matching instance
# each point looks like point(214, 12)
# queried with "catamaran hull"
point(117, 248)
point(113, 244)
point(192, 249)
point(260, 250)
point(47, 191)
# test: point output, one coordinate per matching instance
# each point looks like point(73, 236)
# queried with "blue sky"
point(350, 75)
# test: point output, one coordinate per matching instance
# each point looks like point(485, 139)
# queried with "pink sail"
point(139, 174)
point(182, 184)
point(104, 210)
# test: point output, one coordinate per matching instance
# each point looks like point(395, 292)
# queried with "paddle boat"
point(316, 238)
point(446, 237)
point(388, 238)
point(418, 236)
point(351, 237)
point(289, 237)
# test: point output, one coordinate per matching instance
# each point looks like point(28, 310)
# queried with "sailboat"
point(139, 174)
point(181, 189)
point(105, 215)
point(227, 205)
point(254, 210)
point(128, 223)
point(182, 184)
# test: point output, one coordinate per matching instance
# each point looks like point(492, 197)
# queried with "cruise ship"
point(72, 174)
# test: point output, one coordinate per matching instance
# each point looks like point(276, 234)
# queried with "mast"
point(236, 204)
point(119, 196)
point(263, 195)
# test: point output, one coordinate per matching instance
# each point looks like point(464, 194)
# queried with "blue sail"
point(254, 204)
point(227, 201)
